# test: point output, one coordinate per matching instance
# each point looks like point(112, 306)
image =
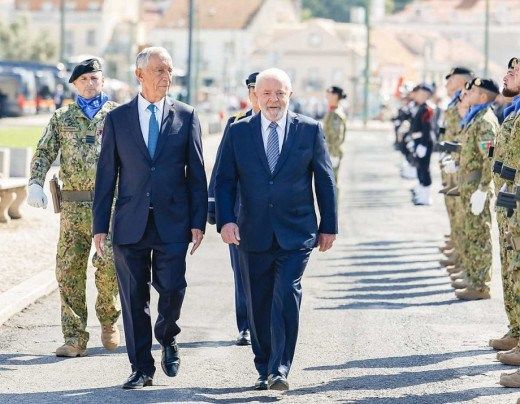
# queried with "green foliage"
point(339, 10)
point(19, 44)
point(20, 136)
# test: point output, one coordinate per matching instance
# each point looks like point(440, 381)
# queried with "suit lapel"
point(165, 127)
point(136, 128)
point(290, 130)
point(256, 131)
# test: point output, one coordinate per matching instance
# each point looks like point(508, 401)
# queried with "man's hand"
point(36, 197)
point(230, 234)
point(478, 202)
point(196, 238)
point(420, 151)
point(99, 242)
point(325, 241)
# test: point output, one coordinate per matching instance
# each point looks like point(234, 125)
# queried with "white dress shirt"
point(280, 129)
point(144, 114)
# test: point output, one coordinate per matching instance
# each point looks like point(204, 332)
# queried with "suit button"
point(153, 169)
point(148, 194)
point(271, 205)
point(271, 182)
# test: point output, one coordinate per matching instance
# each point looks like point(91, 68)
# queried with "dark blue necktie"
point(153, 130)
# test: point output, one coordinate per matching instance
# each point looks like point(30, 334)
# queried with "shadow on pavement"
point(391, 295)
point(388, 305)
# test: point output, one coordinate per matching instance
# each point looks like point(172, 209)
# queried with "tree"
point(339, 10)
point(19, 44)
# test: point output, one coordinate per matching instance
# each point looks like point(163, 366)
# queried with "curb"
point(26, 293)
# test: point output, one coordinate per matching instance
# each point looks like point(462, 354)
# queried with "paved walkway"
point(379, 321)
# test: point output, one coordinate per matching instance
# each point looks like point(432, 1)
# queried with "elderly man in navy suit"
point(274, 156)
point(152, 151)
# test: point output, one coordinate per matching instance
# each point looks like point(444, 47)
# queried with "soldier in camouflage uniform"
point(501, 148)
point(456, 81)
point(74, 131)
point(335, 127)
point(480, 126)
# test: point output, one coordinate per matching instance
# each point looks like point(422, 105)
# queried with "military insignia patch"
point(478, 82)
point(96, 65)
point(484, 146)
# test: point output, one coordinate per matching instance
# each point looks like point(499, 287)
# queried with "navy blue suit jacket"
point(211, 189)
point(280, 204)
point(173, 182)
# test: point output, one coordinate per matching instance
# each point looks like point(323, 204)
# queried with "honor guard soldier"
point(335, 127)
point(244, 337)
point(74, 133)
point(479, 128)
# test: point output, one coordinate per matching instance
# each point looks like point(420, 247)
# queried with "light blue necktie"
point(273, 148)
point(153, 130)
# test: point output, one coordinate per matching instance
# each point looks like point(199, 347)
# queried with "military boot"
point(470, 293)
point(446, 247)
point(510, 380)
point(110, 336)
point(505, 343)
point(452, 269)
point(459, 284)
point(454, 191)
point(457, 275)
point(445, 189)
point(70, 351)
point(450, 254)
point(447, 262)
point(511, 357)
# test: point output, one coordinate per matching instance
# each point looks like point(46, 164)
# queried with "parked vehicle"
point(18, 89)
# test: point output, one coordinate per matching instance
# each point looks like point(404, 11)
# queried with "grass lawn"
point(20, 136)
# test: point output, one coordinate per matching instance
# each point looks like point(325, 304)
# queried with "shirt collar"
point(281, 123)
point(143, 104)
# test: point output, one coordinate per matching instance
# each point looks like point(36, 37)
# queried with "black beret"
point(459, 70)
point(337, 90)
point(512, 63)
point(425, 87)
point(486, 84)
point(87, 66)
point(251, 80)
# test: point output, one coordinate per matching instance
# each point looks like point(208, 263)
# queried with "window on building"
point(91, 37)
point(94, 5)
point(70, 4)
point(47, 6)
point(69, 43)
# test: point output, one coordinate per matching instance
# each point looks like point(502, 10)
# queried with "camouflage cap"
point(87, 66)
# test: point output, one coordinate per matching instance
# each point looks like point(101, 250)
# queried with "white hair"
point(144, 56)
point(277, 74)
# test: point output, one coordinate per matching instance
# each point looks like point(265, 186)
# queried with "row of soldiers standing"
point(479, 158)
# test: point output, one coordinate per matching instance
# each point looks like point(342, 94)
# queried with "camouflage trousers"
point(476, 255)
point(510, 271)
point(71, 273)
point(456, 217)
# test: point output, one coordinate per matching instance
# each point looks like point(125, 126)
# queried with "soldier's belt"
point(508, 200)
point(513, 242)
point(77, 196)
point(497, 167)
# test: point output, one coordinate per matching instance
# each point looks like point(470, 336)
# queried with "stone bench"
point(14, 174)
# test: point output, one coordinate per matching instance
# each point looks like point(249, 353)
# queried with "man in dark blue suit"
point(244, 337)
point(270, 159)
point(152, 151)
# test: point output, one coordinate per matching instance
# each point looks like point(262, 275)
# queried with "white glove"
point(450, 167)
point(410, 145)
point(445, 159)
point(420, 151)
point(36, 197)
point(477, 202)
point(335, 161)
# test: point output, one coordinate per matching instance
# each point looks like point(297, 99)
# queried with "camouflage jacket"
point(335, 127)
point(475, 169)
point(502, 146)
point(451, 123)
point(510, 155)
point(78, 139)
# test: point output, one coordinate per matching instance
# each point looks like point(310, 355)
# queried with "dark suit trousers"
point(240, 296)
point(272, 281)
point(423, 168)
point(167, 262)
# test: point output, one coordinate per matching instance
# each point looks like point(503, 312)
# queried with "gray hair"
point(274, 73)
point(144, 56)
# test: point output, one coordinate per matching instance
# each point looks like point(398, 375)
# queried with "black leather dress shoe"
point(138, 380)
point(277, 382)
point(244, 338)
point(170, 361)
point(261, 383)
